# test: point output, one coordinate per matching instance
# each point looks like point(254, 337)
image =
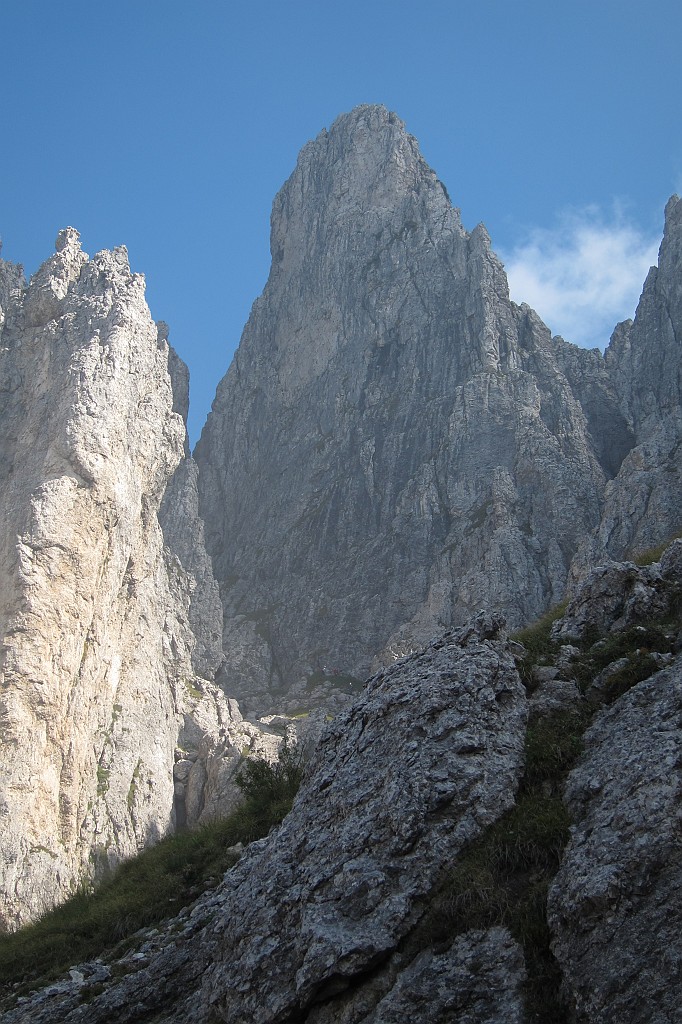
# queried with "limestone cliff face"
point(396, 443)
point(98, 688)
point(643, 505)
point(183, 531)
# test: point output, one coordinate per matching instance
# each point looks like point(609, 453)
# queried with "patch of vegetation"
point(193, 690)
point(639, 666)
point(553, 745)
point(103, 775)
point(651, 555)
point(503, 877)
point(637, 644)
point(269, 789)
point(537, 640)
point(152, 886)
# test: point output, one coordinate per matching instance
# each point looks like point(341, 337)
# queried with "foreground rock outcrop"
point(396, 444)
point(98, 691)
point(616, 904)
point(309, 919)
point(326, 920)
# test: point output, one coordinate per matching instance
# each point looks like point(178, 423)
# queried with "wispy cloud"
point(583, 275)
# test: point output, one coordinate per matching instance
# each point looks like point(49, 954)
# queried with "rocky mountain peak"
point(358, 179)
point(360, 203)
point(381, 426)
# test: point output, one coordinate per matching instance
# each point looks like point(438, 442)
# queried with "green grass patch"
point(103, 775)
point(553, 745)
point(651, 555)
point(152, 886)
point(193, 690)
point(537, 640)
point(503, 877)
point(637, 644)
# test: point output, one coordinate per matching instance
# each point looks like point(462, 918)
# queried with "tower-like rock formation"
point(97, 686)
point(643, 505)
point(396, 443)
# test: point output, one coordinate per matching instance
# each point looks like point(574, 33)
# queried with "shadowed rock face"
point(396, 443)
point(643, 505)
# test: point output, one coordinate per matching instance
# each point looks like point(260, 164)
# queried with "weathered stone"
point(616, 903)
point(183, 532)
point(554, 695)
point(396, 444)
point(643, 504)
point(427, 757)
point(97, 682)
point(616, 595)
point(477, 980)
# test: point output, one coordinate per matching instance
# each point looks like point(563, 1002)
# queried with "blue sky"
point(170, 126)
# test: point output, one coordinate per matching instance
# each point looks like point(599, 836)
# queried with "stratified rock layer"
point(396, 444)
point(97, 685)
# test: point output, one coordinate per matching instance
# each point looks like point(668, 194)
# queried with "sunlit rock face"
point(396, 443)
point(98, 689)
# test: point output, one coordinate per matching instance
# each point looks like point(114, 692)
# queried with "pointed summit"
point(380, 432)
point(358, 186)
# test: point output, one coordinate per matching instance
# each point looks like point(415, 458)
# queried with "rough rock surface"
point(97, 686)
point(370, 833)
point(476, 980)
point(396, 444)
point(616, 904)
point(183, 532)
point(315, 923)
point(615, 595)
point(426, 758)
point(643, 504)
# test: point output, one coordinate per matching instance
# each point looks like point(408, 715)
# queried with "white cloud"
point(584, 275)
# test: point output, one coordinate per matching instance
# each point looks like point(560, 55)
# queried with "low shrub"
point(269, 789)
